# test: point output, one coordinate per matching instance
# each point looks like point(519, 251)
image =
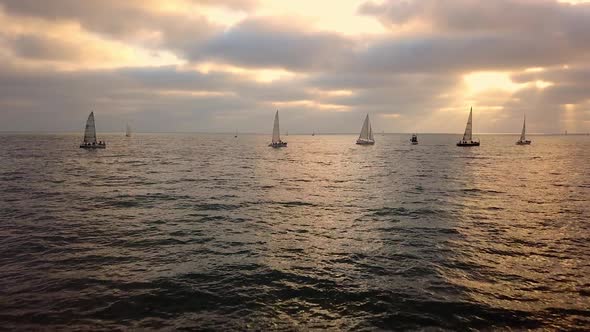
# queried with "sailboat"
point(467, 139)
point(90, 135)
point(276, 134)
point(523, 140)
point(414, 139)
point(313, 133)
point(366, 136)
point(127, 130)
point(236, 135)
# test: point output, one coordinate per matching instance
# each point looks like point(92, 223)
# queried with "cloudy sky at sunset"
point(222, 65)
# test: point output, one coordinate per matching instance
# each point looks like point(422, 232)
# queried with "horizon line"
point(293, 134)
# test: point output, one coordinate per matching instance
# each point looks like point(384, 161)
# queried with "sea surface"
point(212, 232)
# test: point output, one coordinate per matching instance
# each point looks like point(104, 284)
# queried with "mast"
point(522, 135)
point(467, 136)
point(276, 134)
point(90, 130)
point(365, 130)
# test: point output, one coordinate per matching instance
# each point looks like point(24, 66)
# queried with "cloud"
point(480, 34)
point(187, 99)
point(173, 67)
point(133, 21)
point(548, 17)
point(37, 47)
point(232, 4)
point(263, 42)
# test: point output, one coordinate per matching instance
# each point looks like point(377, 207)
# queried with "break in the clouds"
point(201, 65)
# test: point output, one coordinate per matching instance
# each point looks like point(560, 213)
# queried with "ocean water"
point(180, 231)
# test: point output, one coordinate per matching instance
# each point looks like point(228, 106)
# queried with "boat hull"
point(468, 144)
point(414, 143)
point(527, 142)
point(278, 145)
point(365, 143)
point(97, 146)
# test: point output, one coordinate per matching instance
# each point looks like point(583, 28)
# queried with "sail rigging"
point(467, 137)
point(366, 131)
point(90, 135)
point(522, 134)
point(90, 131)
point(523, 140)
point(366, 135)
point(276, 134)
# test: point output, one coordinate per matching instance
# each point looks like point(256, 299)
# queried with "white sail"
point(366, 132)
point(276, 134)
point(371, 132)
point(128, 131)
point(522, 135)
point(467, 137)
point(90, 131)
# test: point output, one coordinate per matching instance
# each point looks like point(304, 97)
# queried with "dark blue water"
point(214, 232)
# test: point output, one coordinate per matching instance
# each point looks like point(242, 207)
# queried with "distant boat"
point(414, 139)
point(366, 136)
point(467, 139)
point(236, 135)
point(276, 134)
point(127, 130)
point(523, 140)
point(313, 133)
point(90, 135)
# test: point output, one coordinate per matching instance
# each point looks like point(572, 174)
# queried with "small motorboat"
point(414, 139)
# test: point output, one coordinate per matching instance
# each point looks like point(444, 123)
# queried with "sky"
point(226, 65)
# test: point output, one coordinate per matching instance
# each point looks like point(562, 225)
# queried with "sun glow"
point(261, 75)
point(324, 15)
point(478, 82)
point(311, 104)
point(97, 53)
